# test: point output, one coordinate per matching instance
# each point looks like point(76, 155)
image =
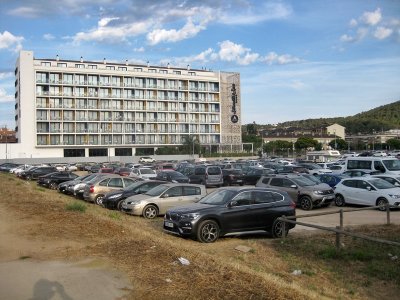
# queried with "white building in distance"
point(66, 108)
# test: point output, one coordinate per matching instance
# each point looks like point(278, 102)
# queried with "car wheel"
point(53, 185)
point(99, 200)
point(306, 203)
point(382, 202)
point(119, 204)
point(208, 231)
point(339, 200)
point(150, 212)
point(277, 228)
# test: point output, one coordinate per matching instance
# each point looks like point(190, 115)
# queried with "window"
point(80, 66)
point(175, 191)
point(152, 70)
point(350, 183)
point(361, 184)
point(110, 67)
point(74, 152)
point(191, 190)
point(359, 164)
point(192, 73)
point(98, 152)
point(61, 65)
point(128, 182)
point(45, 64)
point(163, 71)
point(266, 197)
point(92, 66)
point(177, 72)
point(138, 69)
point(123, 151)
point(244, 198)
point(122, 69)
point(104, 182)
point(116, 182)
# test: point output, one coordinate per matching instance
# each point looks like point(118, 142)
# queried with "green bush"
point(76, 206)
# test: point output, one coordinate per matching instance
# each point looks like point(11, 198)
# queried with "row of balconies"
point(124, 120)
point(136, 108)
point(140, 131)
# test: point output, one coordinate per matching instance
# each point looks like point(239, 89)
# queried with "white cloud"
point(382, 32)
point(8, 40)
point(48, 36)
point(173, 35)
point(347, 38)
point(140, 49)
point(353, 23)
point(361, 33)
point(105, 21)
point(274, 58)
point(297, 85)
point(4, 75)
point(372, 17)
point(255, 14)
point(25, 11)
point(4, 97)
point(232, 52)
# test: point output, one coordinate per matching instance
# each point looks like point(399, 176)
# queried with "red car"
point(123, 171)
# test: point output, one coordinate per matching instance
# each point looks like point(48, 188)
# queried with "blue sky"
point(298, 59)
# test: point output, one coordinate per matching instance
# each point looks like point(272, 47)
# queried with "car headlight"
point(394, 196)
point(133, 202)
point(192, 216)
point(318, 192)
point(114, 196)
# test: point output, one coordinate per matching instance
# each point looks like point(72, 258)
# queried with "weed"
point(76, 206)
point(41, 189)
point(24, 257)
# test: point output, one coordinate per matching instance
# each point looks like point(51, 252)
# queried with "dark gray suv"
point(231, 209)
point(306, 192)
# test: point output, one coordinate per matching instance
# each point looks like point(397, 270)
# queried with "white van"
point(385, 165)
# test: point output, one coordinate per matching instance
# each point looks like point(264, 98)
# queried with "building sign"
point(234, 117)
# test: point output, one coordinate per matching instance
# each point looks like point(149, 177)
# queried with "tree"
point(305, 142)
point(251, 129)
point(191, 145)
point(393, 144)
point(252, 138)
point(341, 144)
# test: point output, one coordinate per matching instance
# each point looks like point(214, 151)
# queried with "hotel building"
point(66, 108)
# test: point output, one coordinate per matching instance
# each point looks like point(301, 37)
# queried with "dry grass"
point(149, 257)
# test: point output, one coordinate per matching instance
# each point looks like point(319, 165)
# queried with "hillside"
point(381, 118)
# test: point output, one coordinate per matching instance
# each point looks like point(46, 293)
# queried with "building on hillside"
point(373, 141)
point(67, 108)
point(323, 135)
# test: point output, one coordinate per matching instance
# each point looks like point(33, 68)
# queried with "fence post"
point(387, 213)
point(338, 238)
point(283, 227)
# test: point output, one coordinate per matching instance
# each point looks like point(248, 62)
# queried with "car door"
point(170, 198)
point(114, 184)
point(238, 216)
point(127, 182)
point(191, 194)
point(265, 208)
point(367, 194)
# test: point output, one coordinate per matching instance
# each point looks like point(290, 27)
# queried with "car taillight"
point(293, 204)
point(91, 189)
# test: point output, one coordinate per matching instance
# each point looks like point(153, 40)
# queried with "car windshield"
point(381, 184)
point(147, 171)
point(392, 164)
point(313, 178)
point(218, 197)
point(302, 181)
point(158, 190)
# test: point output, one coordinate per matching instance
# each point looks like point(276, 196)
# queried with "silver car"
point(163, 197)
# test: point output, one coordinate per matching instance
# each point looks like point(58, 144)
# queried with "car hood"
point(321, 187)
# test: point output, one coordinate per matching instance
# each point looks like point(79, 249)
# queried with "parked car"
point(114, 199)
point(122, 171)
point(368, 191)
point(35, 173)
point(6, 167)
point(95, 168)
point(305, 192)
point(143, 173)
point(231, 209)
point(233, 176)
point(52, 180)
point(161, 198)
point(330, 179)
point(172, 176)
point(314, 169)
point(207, 175)
point(78, 188)
point(255, 173)
point(63, 187)
point(358, 173)
point(96, 189)
point(146, 159)
point(393, 179)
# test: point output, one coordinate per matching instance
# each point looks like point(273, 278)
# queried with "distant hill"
point(382, 118)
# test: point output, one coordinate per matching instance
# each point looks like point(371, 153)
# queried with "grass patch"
point(115, 215)
point(370, 260)
point(41, 189)
point(24, 257)
point(76, 206)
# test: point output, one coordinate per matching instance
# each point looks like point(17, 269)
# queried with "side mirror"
point(165, 196)
point(293, 186)
point(232, 203)
point(369, 188)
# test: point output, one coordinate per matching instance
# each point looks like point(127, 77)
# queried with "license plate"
point(169, 224)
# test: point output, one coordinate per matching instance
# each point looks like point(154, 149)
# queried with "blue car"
point(331, 179)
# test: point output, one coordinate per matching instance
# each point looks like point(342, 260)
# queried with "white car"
point(146, 159)
point(393, 179)
point(144, 173)
point(370, 191)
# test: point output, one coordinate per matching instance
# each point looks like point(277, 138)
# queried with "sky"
point(297, 59)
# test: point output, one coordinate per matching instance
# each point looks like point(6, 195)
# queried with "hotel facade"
point(66, 108)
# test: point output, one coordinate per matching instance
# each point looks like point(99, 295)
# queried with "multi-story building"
point(66, 108)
